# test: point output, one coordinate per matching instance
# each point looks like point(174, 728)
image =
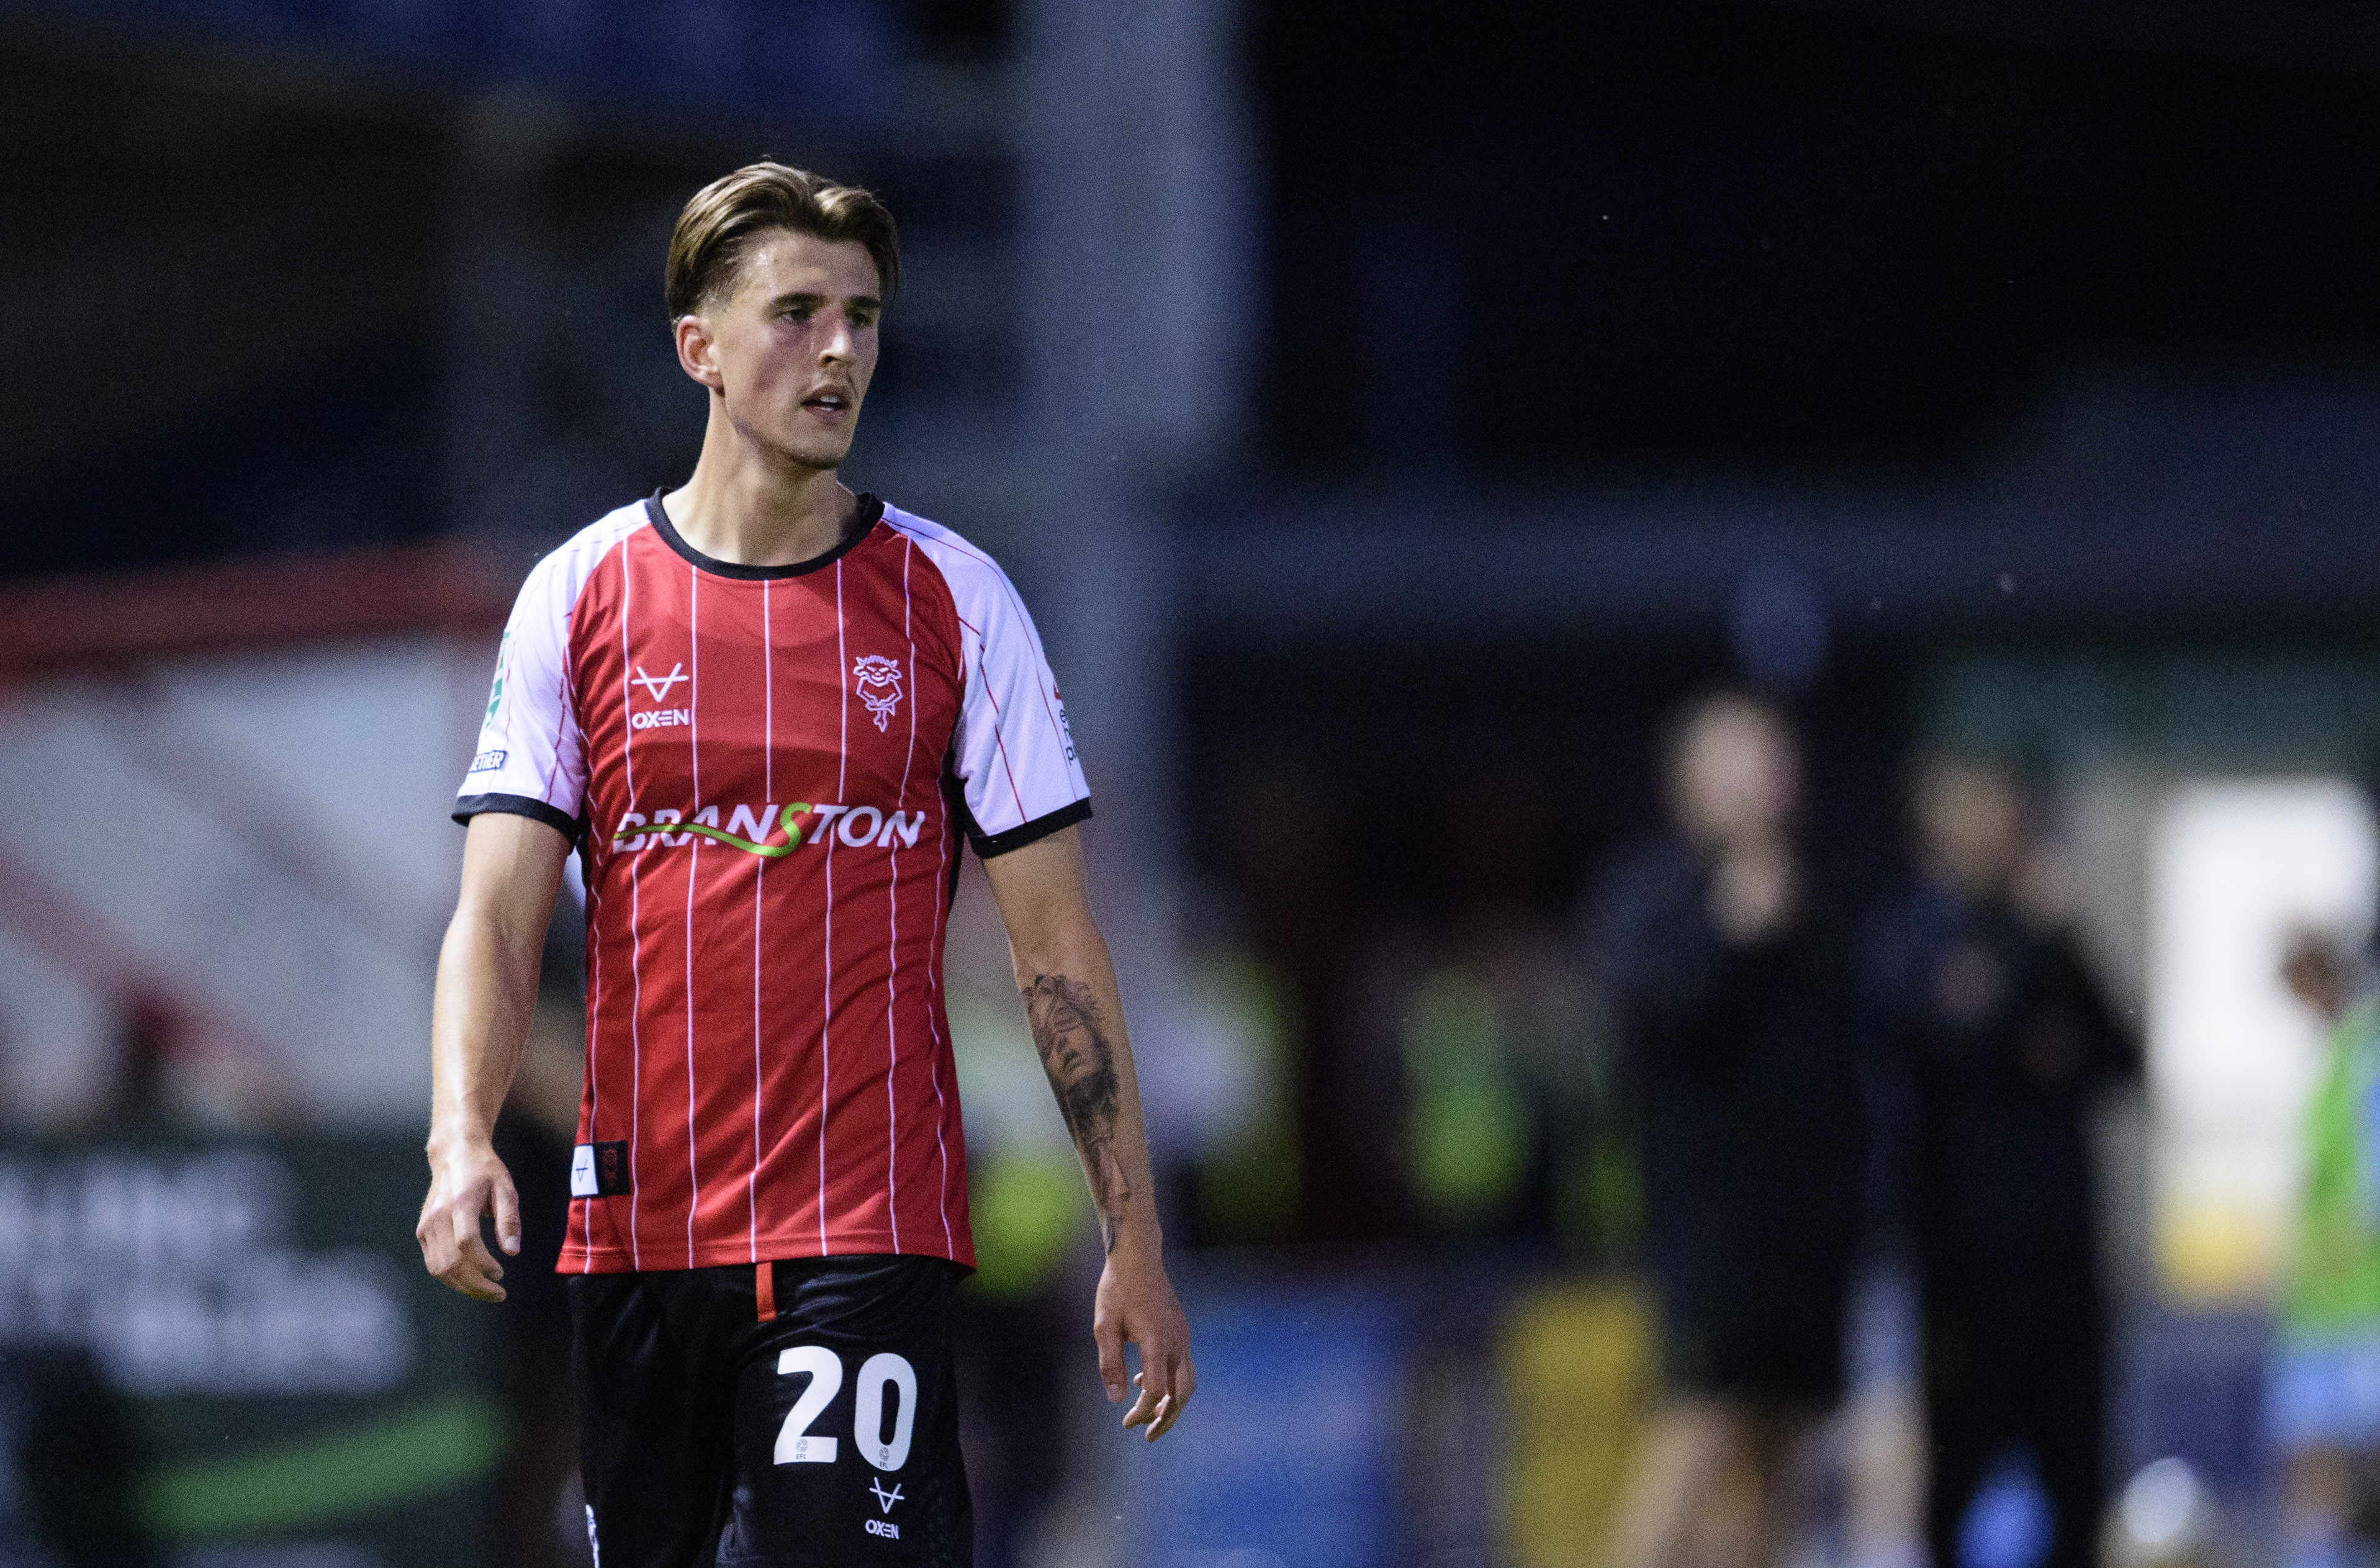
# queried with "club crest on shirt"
point(880, 686)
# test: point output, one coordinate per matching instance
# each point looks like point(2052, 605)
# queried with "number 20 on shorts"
point(795, 1444)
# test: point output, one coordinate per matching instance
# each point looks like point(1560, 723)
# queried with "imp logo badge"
point(880, 686)
point(883, 1497)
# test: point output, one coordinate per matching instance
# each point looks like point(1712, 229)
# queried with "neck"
point(754, 508)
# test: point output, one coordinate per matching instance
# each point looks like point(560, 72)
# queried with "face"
point(1971, 823)
point(790, 345)
point(1736, 776)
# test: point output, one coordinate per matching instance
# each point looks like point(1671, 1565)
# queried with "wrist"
point(1136, 1237)
point(448, 1144)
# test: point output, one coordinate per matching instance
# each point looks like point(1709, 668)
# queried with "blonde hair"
point(708, 244)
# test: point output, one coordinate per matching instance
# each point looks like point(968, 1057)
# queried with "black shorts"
point(824, 1436)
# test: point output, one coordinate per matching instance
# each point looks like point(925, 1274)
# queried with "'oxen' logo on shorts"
point(880, 686)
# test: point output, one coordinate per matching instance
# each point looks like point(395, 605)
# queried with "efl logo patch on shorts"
point(600, 1170)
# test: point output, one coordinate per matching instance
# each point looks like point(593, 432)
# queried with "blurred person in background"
point(2324, 1392)
point(72, 1451)
point(72, 1460)
point(1732, 983)
point(1990, 1046)
point(768, 1211)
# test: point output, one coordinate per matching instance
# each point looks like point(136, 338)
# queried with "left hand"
point(1137, 1304)
point(466, 1180)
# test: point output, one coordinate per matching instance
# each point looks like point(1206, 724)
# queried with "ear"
point(694, 351)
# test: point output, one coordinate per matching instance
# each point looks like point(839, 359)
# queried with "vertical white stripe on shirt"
point(892, 925)
point(760, 872)
point(594, 1038)
point(933, 999)
point(635, 967)
point(826, 1024)
point(693, 860)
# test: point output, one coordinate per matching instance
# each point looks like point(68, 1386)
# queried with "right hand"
point(1135, 1305)
point(465, 1184)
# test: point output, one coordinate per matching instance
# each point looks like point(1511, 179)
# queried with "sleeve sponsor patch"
point(485, 760)
point(600, 1170)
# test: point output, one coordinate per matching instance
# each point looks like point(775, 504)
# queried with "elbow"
point(483, 929)
point(1070, 946)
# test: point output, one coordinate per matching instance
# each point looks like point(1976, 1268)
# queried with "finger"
point(463, 1277)
point(1166, 1410)
point(1109, 1337)
point(443, 1255)
point(508, 1225)
point(437, 1247)
point(425, 1230)
point(1180, 1381)
point(470, 1244)
point(1144, 1409)
point(471, 1267)
point(452, 1268)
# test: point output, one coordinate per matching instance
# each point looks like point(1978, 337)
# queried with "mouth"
point(830, 404)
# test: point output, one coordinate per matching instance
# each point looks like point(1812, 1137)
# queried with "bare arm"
point(487, 990)
point(1069, 985)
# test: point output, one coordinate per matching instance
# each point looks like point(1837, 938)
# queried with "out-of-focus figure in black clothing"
point(1734, 987)
point(1991, 1045)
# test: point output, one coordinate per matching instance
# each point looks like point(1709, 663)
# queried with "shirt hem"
point(578, 1259)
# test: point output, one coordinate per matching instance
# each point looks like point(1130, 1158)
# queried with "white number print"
point(795, 1445)
point(868, 1419)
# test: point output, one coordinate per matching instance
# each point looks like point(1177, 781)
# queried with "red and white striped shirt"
point(766, 771)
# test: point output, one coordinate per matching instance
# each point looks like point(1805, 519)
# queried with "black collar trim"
point(864, 517)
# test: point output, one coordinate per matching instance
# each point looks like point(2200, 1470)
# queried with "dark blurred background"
point(1393, 413)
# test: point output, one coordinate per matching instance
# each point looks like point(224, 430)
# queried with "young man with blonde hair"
point(770, 715)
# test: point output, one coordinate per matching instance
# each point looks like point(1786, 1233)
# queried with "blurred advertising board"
point(1578, 1366)
point(224, 1352)
point(1291, 1456)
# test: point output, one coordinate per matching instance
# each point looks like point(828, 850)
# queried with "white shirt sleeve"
point(531, 759)
point(1013, 751)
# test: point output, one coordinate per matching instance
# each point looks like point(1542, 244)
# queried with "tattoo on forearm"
point(1080, 1060)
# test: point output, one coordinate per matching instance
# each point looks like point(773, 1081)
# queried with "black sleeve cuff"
point(471, 805)
point(988, 845)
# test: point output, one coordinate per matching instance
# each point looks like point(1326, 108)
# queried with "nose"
point(839, 348)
